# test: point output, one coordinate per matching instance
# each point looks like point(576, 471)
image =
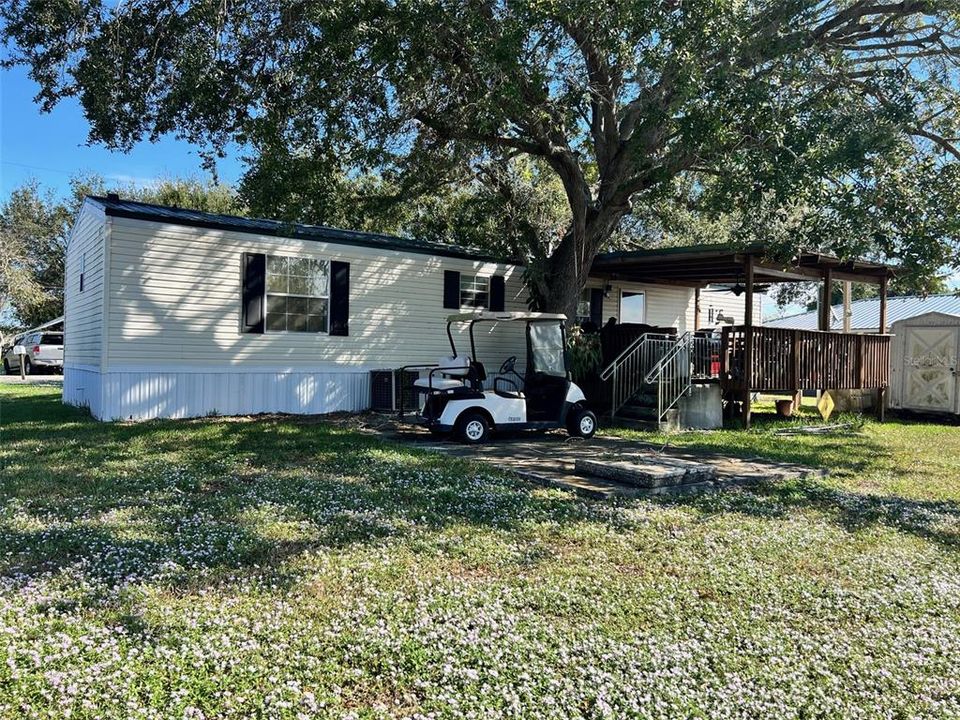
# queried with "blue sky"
point(52, 147)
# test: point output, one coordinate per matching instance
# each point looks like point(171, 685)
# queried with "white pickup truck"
point(43, 350)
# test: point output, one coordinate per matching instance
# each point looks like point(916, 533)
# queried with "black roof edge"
point(278, 228)
point(755, 249)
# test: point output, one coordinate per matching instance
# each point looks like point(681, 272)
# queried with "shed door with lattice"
point(930, 370)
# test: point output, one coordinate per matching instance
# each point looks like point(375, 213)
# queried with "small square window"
point(297, 294)
point(474, 291)
point(632, 307)
point(583, 306)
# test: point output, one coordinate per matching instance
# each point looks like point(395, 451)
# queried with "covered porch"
point(752, 358)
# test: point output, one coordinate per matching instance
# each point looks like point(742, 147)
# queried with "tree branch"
point(939, 140)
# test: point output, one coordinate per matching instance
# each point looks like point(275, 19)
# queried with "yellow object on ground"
point(826, 405)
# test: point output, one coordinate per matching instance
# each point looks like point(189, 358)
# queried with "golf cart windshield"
point(547, 348)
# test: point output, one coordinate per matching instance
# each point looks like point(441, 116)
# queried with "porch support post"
point(847, 311)
point(795, 371)
point(882, 392)
point(696, 308)
point(883, 305)
point(748, 342)
point(825, 295)
point(825, 307)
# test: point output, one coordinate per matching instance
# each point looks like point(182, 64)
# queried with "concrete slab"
point(652, 470)
point(550, 459)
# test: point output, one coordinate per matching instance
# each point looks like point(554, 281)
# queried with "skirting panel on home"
point(143, 395)
point(81, 387)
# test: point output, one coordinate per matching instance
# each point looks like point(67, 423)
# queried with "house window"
point(298, 294)
point(633, 307)
point(83, 269)
point(583, 307)
point(474, 291)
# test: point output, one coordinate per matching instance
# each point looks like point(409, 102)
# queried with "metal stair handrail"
point(619, 359)
point(627, 371)
point(672, 374)
point(683, 343)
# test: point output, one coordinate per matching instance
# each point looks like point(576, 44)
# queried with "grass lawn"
point(292, 569)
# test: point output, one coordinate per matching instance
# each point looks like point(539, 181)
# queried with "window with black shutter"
point(253, 268)
point(339, 298)
point(298, 294)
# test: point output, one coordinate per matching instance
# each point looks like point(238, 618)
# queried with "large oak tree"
point(766, 104)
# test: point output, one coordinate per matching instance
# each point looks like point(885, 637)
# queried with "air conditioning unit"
point(386, 387)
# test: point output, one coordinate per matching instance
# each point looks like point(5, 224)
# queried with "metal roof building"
point(866, 313)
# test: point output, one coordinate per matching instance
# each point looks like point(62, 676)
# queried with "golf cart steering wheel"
point(508, 365)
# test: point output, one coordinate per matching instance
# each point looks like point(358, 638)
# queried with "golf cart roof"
point(488, 316)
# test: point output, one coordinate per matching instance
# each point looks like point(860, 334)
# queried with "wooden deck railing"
point(788, 360)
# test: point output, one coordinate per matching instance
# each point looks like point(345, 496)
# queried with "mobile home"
point(177, 313)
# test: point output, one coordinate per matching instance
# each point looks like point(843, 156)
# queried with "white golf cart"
point(455, 400)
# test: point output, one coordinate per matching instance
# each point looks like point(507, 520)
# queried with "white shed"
point(925, 363)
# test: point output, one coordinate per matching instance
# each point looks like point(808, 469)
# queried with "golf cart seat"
point(507, 388)
point(450, 373)
point(454, 365)
point(438, 383)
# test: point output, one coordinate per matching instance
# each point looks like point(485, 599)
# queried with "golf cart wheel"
point(582, 423)
point(473, 428)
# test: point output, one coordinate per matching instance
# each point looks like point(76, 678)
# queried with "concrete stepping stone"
point(648, 471)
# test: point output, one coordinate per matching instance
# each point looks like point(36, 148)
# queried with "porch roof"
point(701, 265)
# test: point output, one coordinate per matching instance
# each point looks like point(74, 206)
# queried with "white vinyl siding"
point(83, 311)
point(730, 304)
point(665, 305)
point(175, 302)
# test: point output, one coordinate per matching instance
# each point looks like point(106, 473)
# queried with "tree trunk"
point(568, 267)
point(562, 283)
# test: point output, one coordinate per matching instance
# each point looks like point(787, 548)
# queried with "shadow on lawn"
point(199, 502)
point(937, 521)
point(117, 503)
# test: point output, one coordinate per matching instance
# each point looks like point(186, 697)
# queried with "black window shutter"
point(451, 289)
point(339, 298)
point(254, 282)
point(596, 306)
point(498, 292)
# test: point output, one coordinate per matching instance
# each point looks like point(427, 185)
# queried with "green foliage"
point(189, 193)
point(33, 237)
point(584, 353)
point(511, 206)
point(802, 124)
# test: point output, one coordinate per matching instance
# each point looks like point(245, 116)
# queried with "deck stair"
point(640, 412)
point(650, 377)
point(653, 472)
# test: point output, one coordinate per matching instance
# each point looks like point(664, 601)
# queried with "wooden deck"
point(787, 360)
